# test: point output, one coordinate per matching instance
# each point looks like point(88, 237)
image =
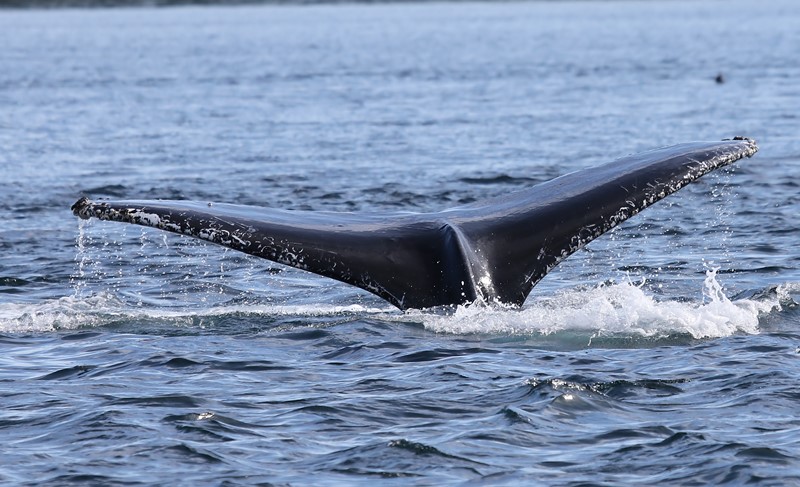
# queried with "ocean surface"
point(666, 352)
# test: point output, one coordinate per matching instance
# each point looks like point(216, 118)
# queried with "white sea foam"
point(73, 312)
point(624, 308)
point(610, 310)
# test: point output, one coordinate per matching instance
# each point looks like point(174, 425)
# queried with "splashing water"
point(71, 312)
point(77, 281)
point(621, 309)
point(610, 310)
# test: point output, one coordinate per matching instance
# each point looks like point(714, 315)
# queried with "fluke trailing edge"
point(494, 250)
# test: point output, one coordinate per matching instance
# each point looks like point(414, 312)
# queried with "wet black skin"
point(494, 250)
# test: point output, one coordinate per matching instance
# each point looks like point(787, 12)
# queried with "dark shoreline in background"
point(34, 4)
point(47, 4)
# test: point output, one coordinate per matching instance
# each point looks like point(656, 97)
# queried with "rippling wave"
point(615, 312)
point(131, 358)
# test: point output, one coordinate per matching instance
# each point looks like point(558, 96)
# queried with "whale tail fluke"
point(494, 250)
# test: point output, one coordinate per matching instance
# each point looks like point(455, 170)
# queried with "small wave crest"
point(612, 310)
point(73, 312)
point(622, 309)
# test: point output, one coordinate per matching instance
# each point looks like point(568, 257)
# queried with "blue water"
point(667, 351)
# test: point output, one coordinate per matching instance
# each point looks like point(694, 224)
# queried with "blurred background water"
point(667, 351)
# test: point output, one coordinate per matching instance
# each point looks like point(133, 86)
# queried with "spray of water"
point(607, 310)
point(612, 310)
point(77, 280)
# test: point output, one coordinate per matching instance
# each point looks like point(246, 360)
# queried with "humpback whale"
point(493, 251)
